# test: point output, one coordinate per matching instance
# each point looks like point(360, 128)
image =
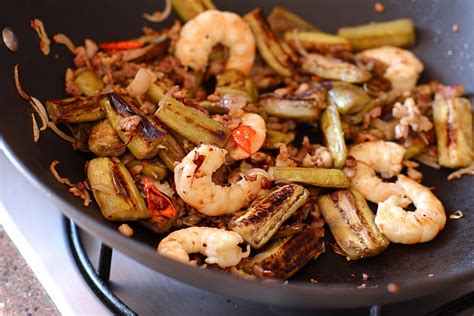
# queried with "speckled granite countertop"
point(20, 291)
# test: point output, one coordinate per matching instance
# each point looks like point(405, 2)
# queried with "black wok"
point(448, 56)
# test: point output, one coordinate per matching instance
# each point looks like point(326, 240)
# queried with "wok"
point(448, 57)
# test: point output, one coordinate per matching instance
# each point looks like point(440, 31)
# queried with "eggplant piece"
point(284, 257)
point(75, 110)
point(332, 68)
point(282, 20)
point(399, 33)
point(272, 50)
point(151, 168)
point(115, 191)
point(292, 108)
point(144, 142)
point(104, 141)
point(265, 216)
point(453, 123)
point(352, 224)
point(318, 41)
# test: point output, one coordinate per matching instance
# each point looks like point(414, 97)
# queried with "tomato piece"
point(121, 45)
point(158, 203)
point(241, 136)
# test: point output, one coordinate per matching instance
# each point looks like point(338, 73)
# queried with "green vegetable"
point(332, 68)
point(265, 216)
point(282, 20)
point(115, 191)
point(347, 97)
point(75, 110)
point(89, 83)
point(328, 178)
point(274, 138)
point(284, 257)
point(334, 136)
point(104, 141)
point(188, 9)
point(317, 41)
point(192, 124)
point(292, 108)
point(352, 224)
point(399, 33)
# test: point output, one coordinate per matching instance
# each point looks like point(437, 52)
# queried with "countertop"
point(20, 291)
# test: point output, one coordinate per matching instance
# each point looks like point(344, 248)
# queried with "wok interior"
point(449, 253)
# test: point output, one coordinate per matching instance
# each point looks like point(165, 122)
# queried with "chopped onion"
point(38, 26)
point(456, 215)
point(91, 48)
point(36, 131)
point(141, 83)
point(469, 170)
point(298, 46)
point(40, 109)
point(60, 133)
point(428, 160)
point(63, 39)
point(19, 89)
point(56, 175)
point(159, 16)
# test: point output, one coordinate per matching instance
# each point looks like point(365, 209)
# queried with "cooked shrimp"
point(199, 35)
point(403, 69)
point(404, 227)
point(218, 245)
point(255, 139)
point(193, 179)
point(382, 156)
point(366, 181)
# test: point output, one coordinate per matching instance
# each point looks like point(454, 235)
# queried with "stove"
point(53, 246)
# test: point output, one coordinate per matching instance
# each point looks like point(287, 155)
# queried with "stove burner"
point(98, 280)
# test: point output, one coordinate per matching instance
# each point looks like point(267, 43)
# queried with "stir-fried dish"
point(238, 138)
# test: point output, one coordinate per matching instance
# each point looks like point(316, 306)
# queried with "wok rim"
point(296, 294)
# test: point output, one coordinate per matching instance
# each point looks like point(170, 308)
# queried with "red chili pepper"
point(158, 203)
point(121, 45)
point(241, 136)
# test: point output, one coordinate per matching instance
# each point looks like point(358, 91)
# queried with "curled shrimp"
point(382, 156)
point(193, 179)
point(218, 245)
point(253, 140)
point(403, 68)
point(404, 227)
point(366, 181)
point(199, 35)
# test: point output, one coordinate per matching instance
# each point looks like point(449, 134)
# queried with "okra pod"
point(453, 123)
point(284, 257)
point(274, 138)
point(75, 110)
point(151, 168)
point(171, 151)
point(334, 136)
point(188, 9)
point(268, 44)
point(356, 118)
point(292, 108)
point(332, 68)
point(155, 93)
point(192, 124)
point(264, 217)
point(159, 224)
point(104, 141)
point(234, 82)
point(321, 177)
point(317, 41)
point(347, 97)
point(352, 224)
point(115, 191)
point(89, 83)
point(147, 137)
point(282, 20)
point(399, 33)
